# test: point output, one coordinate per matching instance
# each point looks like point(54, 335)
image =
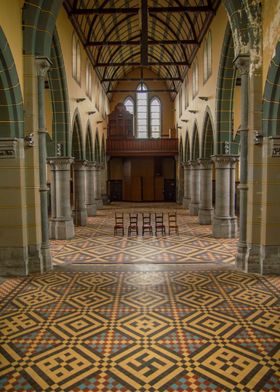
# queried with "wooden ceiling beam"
point(144, 32)
point(182, 9)
point(137, 64)
point(149, 42)
point(104, 11)
point(151, 79)
point(163, 90)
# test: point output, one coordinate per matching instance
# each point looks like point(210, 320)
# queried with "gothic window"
point(195, 78)
point(76, 58)
point(88, 80)
point(155, 114)
point(207, 57)
point(142, 111)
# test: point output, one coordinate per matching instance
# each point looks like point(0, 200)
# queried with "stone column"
point(61, 223)
point(242, 64)
point(205, 213)
point(90, 199)
point(225, 221)
point(195, 185)
point(187, 185)
point(80, 210)
point(97, 185)
point(43, 65)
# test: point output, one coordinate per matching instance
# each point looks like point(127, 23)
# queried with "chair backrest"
point(133, 219)
point(159, 218)
point(172, 218)
point(146, 217)
point(119, 218)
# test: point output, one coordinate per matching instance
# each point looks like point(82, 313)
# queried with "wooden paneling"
point(136, 191)
point(159, 188)
point(148, 188)
point(142, 147)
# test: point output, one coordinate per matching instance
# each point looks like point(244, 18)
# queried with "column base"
point(80, 217)
point(186, 202)
point(61, 229)
point(91, 209)
point(205, 216)
point(270, 259)
point(240, 260)
point(194, 207)
point(35, 259)
point(105, 199)
point(14, 261)
point(47, 258)
point(99, 204)
point(252, 259)
point(224, 227)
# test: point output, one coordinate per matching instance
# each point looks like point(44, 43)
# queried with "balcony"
point(142, 147)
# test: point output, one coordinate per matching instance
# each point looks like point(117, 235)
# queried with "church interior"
point(140, 195)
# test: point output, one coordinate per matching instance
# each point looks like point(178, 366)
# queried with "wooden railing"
point(142, 147)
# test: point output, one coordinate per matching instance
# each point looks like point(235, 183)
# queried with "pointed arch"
point(271, 99)
point(155, 117)
point(129, 104)
point(11, 102)
point(195, 143)
point(187, 147)
point(60, 101)
point(207, 135)
point(38, 22)
point(97, 147)
point(181, 150)
point(224, 94)
point(89, 144)
point(77, 144)
point(142, 111)
point(103, 150)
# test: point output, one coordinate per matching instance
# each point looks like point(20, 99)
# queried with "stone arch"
point(271, 99)
point(77, 144)
point(60, 101)
point(103, 150)
point(38, 22)
point(97, 157)
point(181, 150)
point(225, 90)
point(187, 147)
point(11, 102)
point(195, 143)
point(207, 135)
point(89, 147)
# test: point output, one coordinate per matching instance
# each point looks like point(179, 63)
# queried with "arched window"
point(195, 78)
point(76, 58)
point(155, 112)
point(129, 105)
point(207, 57)
point(88, 80)
point(142, 111)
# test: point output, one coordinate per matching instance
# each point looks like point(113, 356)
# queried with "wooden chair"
point(133, 224)
point(147, 223)
point(119, 224)
point(159, 225)
point(172, 222)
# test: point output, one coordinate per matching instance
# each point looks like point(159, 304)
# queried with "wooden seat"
point(159, 223)
point(119, 223)
point(133, 224)
point(172, 222)
point(147, 223)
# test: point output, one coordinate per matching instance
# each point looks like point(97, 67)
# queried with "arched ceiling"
point(121, 35)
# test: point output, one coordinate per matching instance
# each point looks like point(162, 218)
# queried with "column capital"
point(60, 163)
point(242, 63)
point(194, 164)
point(224, 161)
point(90, 165)
point(206, 163)
point(80, 164)
point(43, 64)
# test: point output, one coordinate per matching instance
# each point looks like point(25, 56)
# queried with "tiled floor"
point(96, 244)
point(140, 332)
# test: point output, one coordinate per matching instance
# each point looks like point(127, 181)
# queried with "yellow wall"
point(76, 90)
point(271, 32)
point(10, 22)
point(167, 103)
point(208, 88)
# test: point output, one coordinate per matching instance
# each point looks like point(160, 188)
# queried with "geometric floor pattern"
point(140, 331)
point(96, 244)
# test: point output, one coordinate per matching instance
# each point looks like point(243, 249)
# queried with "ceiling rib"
point(150, 42)
point(104, 11)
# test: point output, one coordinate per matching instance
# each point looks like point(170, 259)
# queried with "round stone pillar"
point(205, 213)
point(61, 225)
point(195, 187)
point(187, 185)
point(224, 221)
point(97, 185)
point(80, 210)
point(90, 197)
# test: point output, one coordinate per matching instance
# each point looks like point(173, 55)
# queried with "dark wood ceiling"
point(121, 35)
